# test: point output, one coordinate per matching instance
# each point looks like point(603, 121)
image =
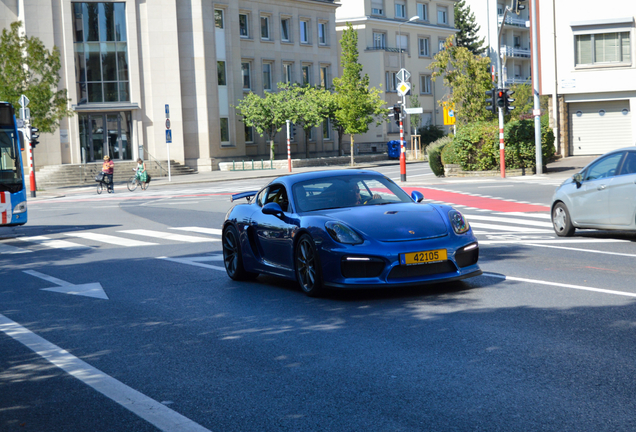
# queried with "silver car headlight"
point(460, 226)
point(342, 233)
point(20, 208)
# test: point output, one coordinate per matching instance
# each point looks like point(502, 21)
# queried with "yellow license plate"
point(423, 257)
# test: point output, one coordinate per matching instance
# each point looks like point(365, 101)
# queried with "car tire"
point(561, 221)
point(308, 270)
point(232, 256)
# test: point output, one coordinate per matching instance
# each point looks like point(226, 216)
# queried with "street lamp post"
point(402, 147)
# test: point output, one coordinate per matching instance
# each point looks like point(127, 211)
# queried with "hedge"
point(434, 152)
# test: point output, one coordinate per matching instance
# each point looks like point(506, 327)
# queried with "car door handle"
point(601, 187)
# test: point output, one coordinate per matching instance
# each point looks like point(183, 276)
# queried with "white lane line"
point(8, 249)
point(48, 278)
point(582, 250)
point(499, 228)
point(528, 215)
point(537, 242)
point(193, 262)
point(578, 287)
point(55, 244)
point(488, 187)
point(509, 220)
point(139, 404)
point(169, 236)
point(213, 231)
point(110, 239)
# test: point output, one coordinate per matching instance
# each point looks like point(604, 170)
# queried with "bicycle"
point(133, 182)
point(102, 184)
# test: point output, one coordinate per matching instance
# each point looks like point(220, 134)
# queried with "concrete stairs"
point(57, 176)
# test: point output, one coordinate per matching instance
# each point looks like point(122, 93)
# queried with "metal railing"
point(387, 49)
point(513, 21)
point(150, 158)
point(509, 51)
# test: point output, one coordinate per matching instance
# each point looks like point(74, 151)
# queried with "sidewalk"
point(560, 169)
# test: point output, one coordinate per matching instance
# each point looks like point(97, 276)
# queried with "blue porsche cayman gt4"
point(346, 229)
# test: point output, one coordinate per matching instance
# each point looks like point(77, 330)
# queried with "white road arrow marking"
point(93, 289)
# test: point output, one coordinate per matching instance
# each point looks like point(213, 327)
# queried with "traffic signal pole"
point(27, 135)
point(502, 152)
point(402, 146)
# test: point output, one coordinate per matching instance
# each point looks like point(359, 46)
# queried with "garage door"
point(598, 127)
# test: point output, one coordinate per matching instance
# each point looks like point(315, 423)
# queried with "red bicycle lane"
point(494, 204)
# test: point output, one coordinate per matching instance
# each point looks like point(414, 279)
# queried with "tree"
point(414, 102)
point(28, 68)
point(467, 36)
point(265, 114)
point(358, 105)
point(467, 75)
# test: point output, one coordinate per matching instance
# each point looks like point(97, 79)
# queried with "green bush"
point(429, 134)
point(434, 152)
point(476, 145)
point(449, 154)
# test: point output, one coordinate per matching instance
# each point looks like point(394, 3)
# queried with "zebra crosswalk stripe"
point(110, 239)
point(54, 244)
point(169, 236)
point(213, 231)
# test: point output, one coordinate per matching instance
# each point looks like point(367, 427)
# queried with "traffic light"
point(490, 102)
point(35, 134)
point(397, 110)
point(500, 98)
point(508, 100)
point(518, 6)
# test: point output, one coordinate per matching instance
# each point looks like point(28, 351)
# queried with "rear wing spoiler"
point(247, 195)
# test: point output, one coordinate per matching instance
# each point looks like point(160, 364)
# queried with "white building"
point(587, 64)
point(515, 39)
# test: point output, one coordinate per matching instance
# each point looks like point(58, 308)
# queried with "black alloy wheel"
point(308, 272)
point(232, 257)
point(561, 221)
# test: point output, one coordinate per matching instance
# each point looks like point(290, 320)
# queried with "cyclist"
point(142, 174)
point(108, 168)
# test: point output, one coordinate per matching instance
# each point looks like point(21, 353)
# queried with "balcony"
point(512, 21)
point(519, 80)
point(384, 48)
point(515, 52)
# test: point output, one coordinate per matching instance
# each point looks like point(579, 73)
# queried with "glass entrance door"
point(105, 134)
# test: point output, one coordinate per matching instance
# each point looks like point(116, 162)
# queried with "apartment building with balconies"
point(130, 64)
point(389, 38)
point(515, 50)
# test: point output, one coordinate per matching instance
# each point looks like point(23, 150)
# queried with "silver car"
point(601, 196)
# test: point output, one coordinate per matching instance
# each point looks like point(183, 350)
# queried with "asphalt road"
point(162, 339)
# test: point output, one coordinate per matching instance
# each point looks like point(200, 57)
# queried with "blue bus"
point(13, 204)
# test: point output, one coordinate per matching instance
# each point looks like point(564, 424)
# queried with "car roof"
point(292, 179)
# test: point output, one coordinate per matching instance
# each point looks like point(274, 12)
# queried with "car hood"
point(392, 222)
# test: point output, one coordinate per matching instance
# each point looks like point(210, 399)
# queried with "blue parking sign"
point(168, 136)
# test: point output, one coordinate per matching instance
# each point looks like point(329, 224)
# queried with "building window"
point(377, 7)
point(218, 18)
point(285, 29)
point(400, 9)
point(422, 11)
point(324, 76)
point(441, 42)
point(425, 84)
point(379, 40)
point(246, 75)
point(306, 74)
point(304, 32)
point(265, 27)
point(225, 130)
point(326, 130)
point(424, 47)
point(101, 52)
point(220, 68)
point(603, 48)
point(267, 76)
point(249, 134)
point(322, 33)
point(442, 15)
point(401, 41)
point(391, 81)
point(244, 29)
point(287, 72)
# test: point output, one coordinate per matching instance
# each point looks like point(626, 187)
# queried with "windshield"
point(347, 191)
point(10, 169)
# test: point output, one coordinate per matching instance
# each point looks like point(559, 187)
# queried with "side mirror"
point(578, 178)
point(272, 209)
point(417, 196)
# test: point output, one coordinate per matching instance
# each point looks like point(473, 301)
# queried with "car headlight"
point(342, 233)
point(460, 226)
point(20, 208)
